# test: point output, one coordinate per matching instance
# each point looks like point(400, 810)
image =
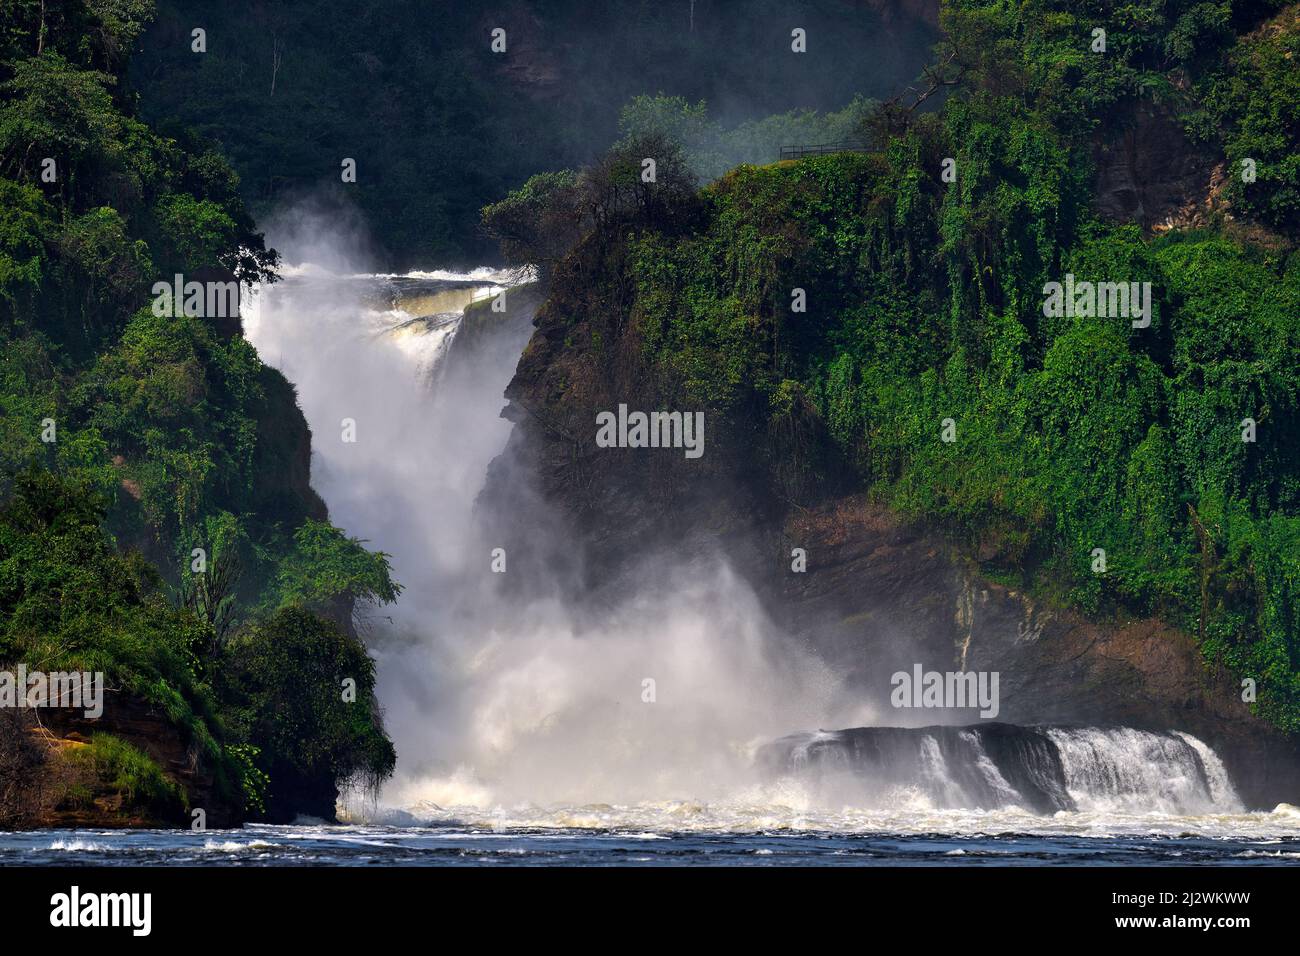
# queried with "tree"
point(302, 691)
point(330, 572)
point(620, 187)
point(538, 223)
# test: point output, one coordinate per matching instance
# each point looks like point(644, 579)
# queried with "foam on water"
point(788, 811)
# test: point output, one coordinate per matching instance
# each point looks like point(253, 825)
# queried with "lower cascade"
point(994, 766)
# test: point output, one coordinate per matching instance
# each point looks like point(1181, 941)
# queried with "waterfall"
point(490, 698)
point(366, 348)
point(664, 694)
point(1126, 769)
point(997, 766)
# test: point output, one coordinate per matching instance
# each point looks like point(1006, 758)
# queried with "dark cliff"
point(964, 566)
point(880, 593)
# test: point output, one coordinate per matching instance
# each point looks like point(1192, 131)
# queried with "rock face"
point(879, 595)
point(49, 736)
point(1153, 174)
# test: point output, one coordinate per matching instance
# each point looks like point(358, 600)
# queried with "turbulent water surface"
point(679, 834)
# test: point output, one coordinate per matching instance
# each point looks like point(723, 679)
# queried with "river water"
point(686, 835)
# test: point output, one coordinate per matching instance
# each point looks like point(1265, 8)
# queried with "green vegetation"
point(541, 221)
point(286, 677)
point(70, 601)
point(712, 149)
point(154, 500)
point(133, 774)
point(1253, 100)
point(537, 224)
point(925, 303)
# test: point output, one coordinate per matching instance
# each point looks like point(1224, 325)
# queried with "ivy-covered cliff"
point(1106, 508)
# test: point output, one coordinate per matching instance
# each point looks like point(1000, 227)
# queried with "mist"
point(439, 125)
point(497, 696)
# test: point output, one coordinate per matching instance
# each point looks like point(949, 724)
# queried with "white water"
point(1125, 770)
point(533, 715)
point(492, 705)
point(789, 809)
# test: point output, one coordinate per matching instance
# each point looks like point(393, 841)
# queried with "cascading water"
point(999, 766)
point(535, 714)
point(492, 702)
point(1133, 770)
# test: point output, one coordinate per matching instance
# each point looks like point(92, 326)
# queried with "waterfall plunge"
point(492, 701)
point(494, 705)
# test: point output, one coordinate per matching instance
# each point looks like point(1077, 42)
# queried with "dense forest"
point(439, 124)
point(157, 522)
point(863, 322)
